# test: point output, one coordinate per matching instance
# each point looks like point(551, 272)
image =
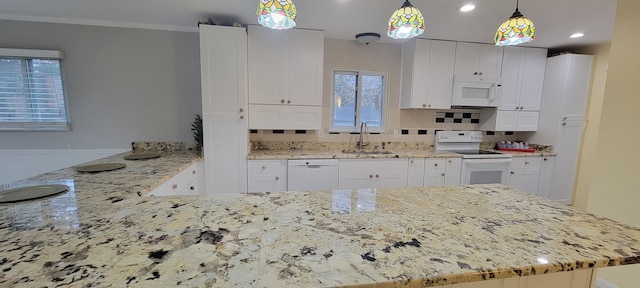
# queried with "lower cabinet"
point(267, 175)
point(187, 182)
point(434, 172)
point(524, 174)
point(546, 175)
point(372, 173)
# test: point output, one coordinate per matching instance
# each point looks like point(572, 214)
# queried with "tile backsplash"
point(414, 126)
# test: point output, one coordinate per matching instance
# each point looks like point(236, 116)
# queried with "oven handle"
point(488, 161)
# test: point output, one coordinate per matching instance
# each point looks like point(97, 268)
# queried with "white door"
point(440, 75)
point(304, 60)
point(525, 180)
point(534, 65)
point(225, 157)
point(266, 52)
point(546, 176)
point(415, 173)
point(453, 170)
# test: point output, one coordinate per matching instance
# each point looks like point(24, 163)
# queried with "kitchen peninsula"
point(105, 232)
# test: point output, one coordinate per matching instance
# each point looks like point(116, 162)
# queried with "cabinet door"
point(304, 58)
point(506, 120)
point(533, 68)
point(415, 63)
point(285, 117)
point(546, 175)
point(566, 163)
point(440, 82)
point(525, 180)
point(415, 173)
point(478, 59)
point(512, 78)
point(267, 175)
point(266, 53)
point(434, 171)
point(390, 179)
point(467, 55)
point(576, 86)
point(355, 180)
point(490, 61)
point(225, 168)
point(527, 121)
point(452, 171)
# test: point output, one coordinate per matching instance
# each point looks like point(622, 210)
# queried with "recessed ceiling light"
point(467, 8)
point(576, 35)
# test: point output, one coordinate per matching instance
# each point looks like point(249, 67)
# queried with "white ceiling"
point(555, 20)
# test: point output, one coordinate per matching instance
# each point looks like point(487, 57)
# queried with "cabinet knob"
point(512, 173)
point(436, 164)
point(475, 73)
point(241, 109)
point(370, 176)
point(545, 159)
point(377, 176)
point(175, 186)
point(288, 101)
point(479, 73)
point(264, 167)
point(192, 188)
point(241, 116)
point(526, 162)
point(449, 161)
point(282, 101)
point(442, 174)
point(428, 105)
point(564, 123)
point(277, 177)
point(424, 105)
point(193, 172)
point(412, 161)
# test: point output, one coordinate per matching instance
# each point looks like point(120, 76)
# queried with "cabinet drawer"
point(435, 165)
point(266, 167)
point(525, 163)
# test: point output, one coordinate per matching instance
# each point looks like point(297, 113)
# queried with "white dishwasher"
point(312, 174)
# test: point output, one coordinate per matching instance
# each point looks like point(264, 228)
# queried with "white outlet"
point(396, 133)
point(320, 133)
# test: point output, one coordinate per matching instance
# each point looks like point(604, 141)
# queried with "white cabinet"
point(546, 176)
point(267, 175)
point(285, 70)
point(427, 74)
point(223, 56)
point(570, 279)
point(478, 59)
point(524, 174)
point(187, 182)
point(562, 117)
point(372, 173)
point(434, 172)
point(522, 81)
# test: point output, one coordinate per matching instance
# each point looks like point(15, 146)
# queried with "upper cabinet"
point(522, 78)
point(522, 81)
point(427, 74)
point(478, 59)
point(285, 69)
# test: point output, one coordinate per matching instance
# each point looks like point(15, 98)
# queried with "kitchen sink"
point(368, 152)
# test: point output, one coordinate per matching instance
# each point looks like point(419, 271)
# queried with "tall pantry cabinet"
point(223, 63)
point(562, 117)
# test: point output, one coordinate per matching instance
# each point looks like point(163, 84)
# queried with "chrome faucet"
point(363, 127)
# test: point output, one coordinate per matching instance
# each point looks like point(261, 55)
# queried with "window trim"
point(385, 100)
point(32, 54)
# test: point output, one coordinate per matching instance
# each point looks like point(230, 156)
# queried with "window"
point(32, 95)
point(359, 96)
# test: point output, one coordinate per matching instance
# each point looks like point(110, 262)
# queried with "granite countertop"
point(102, 234)
point(340, 154)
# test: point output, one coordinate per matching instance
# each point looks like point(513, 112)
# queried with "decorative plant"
point(196, 128)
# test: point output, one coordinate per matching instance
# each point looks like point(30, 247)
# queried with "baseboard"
point(601, 283)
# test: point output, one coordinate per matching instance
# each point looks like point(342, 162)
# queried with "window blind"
point(32, 94)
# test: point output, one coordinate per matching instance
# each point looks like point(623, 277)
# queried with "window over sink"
point(32, 94)
point(359, 96)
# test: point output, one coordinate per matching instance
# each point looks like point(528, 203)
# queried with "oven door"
point(485, 171)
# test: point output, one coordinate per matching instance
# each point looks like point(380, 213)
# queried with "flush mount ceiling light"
point(516, 30)
point(576, 35)
point(467, 8)
point(276, 14)
point(367, 38)
point(406, 22)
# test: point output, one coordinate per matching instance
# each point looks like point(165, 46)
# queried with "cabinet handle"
point(412, 161)
point(545, 159)
point(264, 167)
point(436, 164)
point(241, 116)
point(192, 188)
point(193, 172)
point(282, 101)
point(370, 176)
point(424, 105)
point(513, 173)
point(277, 177)
point(428, 105)
point(175, 186)
point(526, 162)
point(564, 123)
point(442, 174)
point(288, 101)
point(377, 176)
point(480, 73)
point(241, 109)
point(475, 73)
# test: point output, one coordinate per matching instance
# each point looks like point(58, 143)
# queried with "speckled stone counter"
point(339, 154)
point(102, 234)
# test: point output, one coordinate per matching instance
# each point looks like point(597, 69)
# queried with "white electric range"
point(478, 166)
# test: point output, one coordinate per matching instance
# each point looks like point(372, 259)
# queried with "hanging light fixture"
point(406, 22)
point(276, 14)
point(516, 30)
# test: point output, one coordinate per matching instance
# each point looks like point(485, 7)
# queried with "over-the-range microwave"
point(478, 91)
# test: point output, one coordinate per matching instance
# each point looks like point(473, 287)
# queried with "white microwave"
point(477, 91)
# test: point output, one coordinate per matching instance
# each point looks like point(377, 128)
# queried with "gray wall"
point(123, 85)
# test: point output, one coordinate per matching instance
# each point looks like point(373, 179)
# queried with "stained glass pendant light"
point(406, 22)
point(516, 30)
point(276, 14)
